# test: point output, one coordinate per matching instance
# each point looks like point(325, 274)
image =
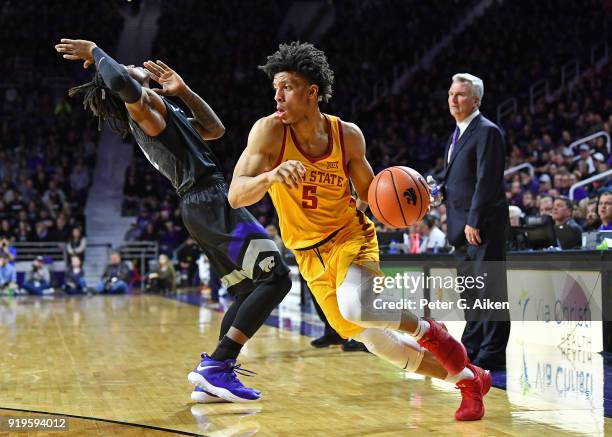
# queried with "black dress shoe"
point(326, 341)
point(354, 346)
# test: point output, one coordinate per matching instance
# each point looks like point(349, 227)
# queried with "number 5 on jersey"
point(309, 198)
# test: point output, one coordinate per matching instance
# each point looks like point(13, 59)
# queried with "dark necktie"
point(452, 146)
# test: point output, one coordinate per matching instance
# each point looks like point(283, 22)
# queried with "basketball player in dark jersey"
point(238, 247)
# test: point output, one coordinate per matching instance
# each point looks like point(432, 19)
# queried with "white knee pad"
point(400, 350)
point(356, 301)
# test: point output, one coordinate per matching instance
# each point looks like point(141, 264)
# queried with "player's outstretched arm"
point(360, 171)
point(114, 74)
point(144, 108)
point(253, 174)
point(205, 121)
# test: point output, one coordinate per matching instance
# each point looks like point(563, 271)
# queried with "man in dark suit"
point(477, 219)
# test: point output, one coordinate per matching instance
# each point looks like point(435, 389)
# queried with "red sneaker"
point(450, 353)
point(472, 392)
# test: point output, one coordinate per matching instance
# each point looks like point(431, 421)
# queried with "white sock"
point(421, 329)
point(464, 374)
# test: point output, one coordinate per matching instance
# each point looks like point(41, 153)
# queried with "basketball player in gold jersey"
point(304, 159)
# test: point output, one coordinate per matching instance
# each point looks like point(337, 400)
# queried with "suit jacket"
point(473, 182)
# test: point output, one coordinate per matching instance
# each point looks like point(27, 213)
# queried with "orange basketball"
point(398, 197)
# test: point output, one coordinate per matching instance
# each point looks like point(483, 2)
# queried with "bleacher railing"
point(570, 74)
point(144, 251)
point(27, 251)
point(588, 138)
point(54, 251)
point(536, 91)
point(520, 167)
point(588, 181)
point(506, 108)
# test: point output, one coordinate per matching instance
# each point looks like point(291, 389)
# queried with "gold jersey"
point(322, 204)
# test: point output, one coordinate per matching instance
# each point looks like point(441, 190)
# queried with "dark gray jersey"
point(179, 152)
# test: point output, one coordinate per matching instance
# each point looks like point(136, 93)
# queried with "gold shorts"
point(325, 267)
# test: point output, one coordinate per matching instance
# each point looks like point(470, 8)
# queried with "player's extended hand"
point(77, 50)
point(472, 235)
point(172, 84)
point(291, 173)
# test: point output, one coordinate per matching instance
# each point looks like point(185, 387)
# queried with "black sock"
point(226, 349)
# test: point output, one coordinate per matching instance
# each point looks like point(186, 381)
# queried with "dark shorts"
point(233, 240)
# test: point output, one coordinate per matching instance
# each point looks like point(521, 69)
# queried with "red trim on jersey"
point(344, 165)
point(360, 217)
point(311, 158)
point(282, 152)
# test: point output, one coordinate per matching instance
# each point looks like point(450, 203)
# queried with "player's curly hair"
point(104, 104)
point(305, 60)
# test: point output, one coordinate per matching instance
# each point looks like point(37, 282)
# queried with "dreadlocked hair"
point(305, 60)
point(104, 104)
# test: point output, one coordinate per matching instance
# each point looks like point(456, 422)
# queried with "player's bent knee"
point(349, 303)
point(284, 284)
point(280, 287)
point(353, 294)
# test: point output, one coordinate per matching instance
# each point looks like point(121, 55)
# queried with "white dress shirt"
point(462, 127)
point(465, 123)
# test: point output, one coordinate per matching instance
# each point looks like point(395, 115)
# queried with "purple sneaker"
point(219, 378)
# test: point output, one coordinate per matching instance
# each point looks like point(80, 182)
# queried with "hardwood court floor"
point(120, 361)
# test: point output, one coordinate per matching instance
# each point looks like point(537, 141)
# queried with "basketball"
point(398, 197)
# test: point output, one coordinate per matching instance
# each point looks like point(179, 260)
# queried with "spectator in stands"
point(132, 191)
point(516, 193)
point(5, 229)
point(579, 193)
point(79, 182)
point(116, 276)
point(133, 233)
point(528, 202)
point(432, 238)
point(24, 232)
point(7, 249)
point(8, 275)
point(169, 238)
point(592, 221)
point(75, 278)
point(187, 257)
point(544, 186)
point(164, 277)
point(605, 211)
point(546, 205)
point(42, 232)
point(77, 244)
point(54, 197)
point(586, 163)
point(38, 279)
point(515, 215)
point(60, 230)
point(149, 233)
point(563, 209)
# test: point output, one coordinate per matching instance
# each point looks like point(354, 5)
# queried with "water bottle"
point(436, 195)
point(393, 247)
